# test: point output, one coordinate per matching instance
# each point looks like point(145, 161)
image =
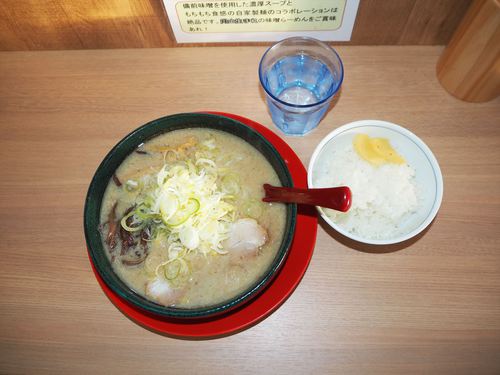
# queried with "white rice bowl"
point(390, 203)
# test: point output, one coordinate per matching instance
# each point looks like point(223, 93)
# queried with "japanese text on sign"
point(259, 16)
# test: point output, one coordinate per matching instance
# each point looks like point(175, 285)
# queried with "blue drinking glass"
point(300, 76)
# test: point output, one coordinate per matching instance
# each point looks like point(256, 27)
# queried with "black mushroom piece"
point(116, 180)
point(144, 239)
point(112, 227)
point(134, 245)
point(127, 241)
point(127, 238)
point(141, 252)
point(129, 261)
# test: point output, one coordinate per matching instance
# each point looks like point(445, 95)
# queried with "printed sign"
point(202, 21)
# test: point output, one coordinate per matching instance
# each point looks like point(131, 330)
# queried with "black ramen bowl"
point(128, 145)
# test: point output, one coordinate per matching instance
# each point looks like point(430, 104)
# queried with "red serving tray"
point(270, 298)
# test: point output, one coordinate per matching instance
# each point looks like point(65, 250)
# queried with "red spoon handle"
point(336, 198)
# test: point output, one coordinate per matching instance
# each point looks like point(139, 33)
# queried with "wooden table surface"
point(431, 306)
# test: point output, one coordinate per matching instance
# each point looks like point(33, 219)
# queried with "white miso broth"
point(182, 221)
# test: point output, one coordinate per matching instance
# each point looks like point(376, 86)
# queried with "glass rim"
point(317, 41)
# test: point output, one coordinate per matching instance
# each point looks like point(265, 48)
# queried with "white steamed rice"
point(382, 197)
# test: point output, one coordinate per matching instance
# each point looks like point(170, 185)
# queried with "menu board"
point(207, 21)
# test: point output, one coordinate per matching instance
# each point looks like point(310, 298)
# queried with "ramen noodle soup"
point(182, 221)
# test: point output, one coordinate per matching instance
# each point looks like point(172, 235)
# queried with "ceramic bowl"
point(428, 177)
point(128, 145)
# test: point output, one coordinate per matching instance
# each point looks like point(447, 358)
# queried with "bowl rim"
point(418, 142)
point(138, 300)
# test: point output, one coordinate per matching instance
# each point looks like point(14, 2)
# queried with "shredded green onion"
point(184, 213)
point(130, 228)
point(230, 184)
point(188, 206)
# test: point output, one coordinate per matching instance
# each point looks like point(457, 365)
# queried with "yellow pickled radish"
point(376, 151)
